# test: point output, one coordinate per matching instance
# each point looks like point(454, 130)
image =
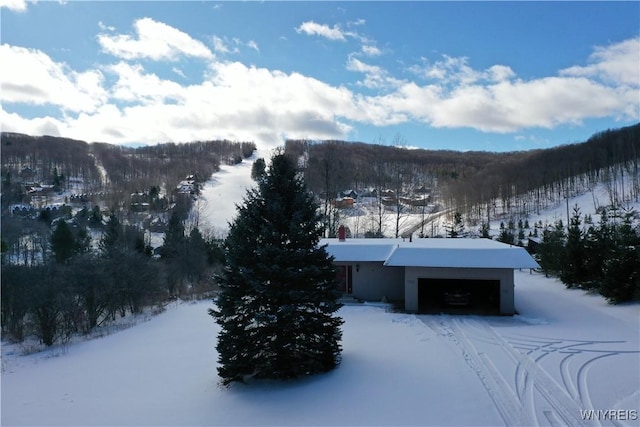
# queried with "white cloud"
point(498, 73)
point(375, 76)
point(12, 122)
point(134, 85)
point(153, 40)
point(511, 106)
point(224, 45)
point(617, 63)
point(323, 30)
point(253, 45)
point(219, 45)
point(455, 71)
point(371, 50)
point(233, 101)
point(105, 27)
point(34, 78)
point(179, 72)
point(14, 5)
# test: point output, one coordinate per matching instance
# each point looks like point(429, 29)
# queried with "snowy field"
point(565, 352)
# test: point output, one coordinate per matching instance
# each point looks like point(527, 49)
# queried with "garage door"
point(459, 296)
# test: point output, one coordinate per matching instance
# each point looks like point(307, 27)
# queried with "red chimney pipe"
point(342, 233)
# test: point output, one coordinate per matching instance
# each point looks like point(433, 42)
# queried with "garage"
point(458, 296)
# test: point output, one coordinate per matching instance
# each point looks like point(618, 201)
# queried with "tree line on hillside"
point(537, 179)
point(76, 286)
point(602, 257)
point(116, 170)
point(480, 185)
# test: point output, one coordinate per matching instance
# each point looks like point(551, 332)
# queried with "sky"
point(490, 76)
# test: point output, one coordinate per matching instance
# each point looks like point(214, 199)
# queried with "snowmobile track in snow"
point(516, 403)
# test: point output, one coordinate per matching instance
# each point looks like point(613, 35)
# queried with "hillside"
point(480, 185)
point(85, 168)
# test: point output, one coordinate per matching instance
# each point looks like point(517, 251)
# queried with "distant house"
point(431, 275)
point(349, 193)
point(343, 203)
point(187, 185)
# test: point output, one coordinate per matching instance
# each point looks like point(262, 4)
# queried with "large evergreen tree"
point(278, 290)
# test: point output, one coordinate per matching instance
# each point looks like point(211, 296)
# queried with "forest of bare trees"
point(107, 167)
point(480, 185)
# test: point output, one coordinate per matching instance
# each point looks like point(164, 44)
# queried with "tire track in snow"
point(565, 407)
point(516, 406)
point(573, 353)
point(504, 398)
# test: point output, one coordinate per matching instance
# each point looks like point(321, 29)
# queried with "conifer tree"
point(173, 253)
point(63, 242)
point(112, 234)
point(456, 229)
point(572, 273)
point(621, 275)
point(551, 251)
point(599, 243)
point(258, 169)
point(278, 290)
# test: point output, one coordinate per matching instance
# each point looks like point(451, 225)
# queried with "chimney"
point(342, 233)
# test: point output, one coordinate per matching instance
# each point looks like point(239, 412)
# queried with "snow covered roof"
point(450, 253)
point(360, 250)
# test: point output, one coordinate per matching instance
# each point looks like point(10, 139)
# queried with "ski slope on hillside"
point(222, 192)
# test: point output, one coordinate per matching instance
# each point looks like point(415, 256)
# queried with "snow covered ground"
point(565, 352)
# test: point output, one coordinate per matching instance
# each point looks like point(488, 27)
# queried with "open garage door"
point(459, 296)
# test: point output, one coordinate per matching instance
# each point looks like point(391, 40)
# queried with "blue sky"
point(494, 76)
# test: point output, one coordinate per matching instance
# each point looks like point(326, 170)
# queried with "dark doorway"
point(345, 278)
point(459, 296)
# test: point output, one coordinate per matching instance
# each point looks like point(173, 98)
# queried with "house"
point(431, 275)
point(348, 193)
point(343, 203)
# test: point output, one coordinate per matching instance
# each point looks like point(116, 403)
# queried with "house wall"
point(505, 275)
point(372, 280)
